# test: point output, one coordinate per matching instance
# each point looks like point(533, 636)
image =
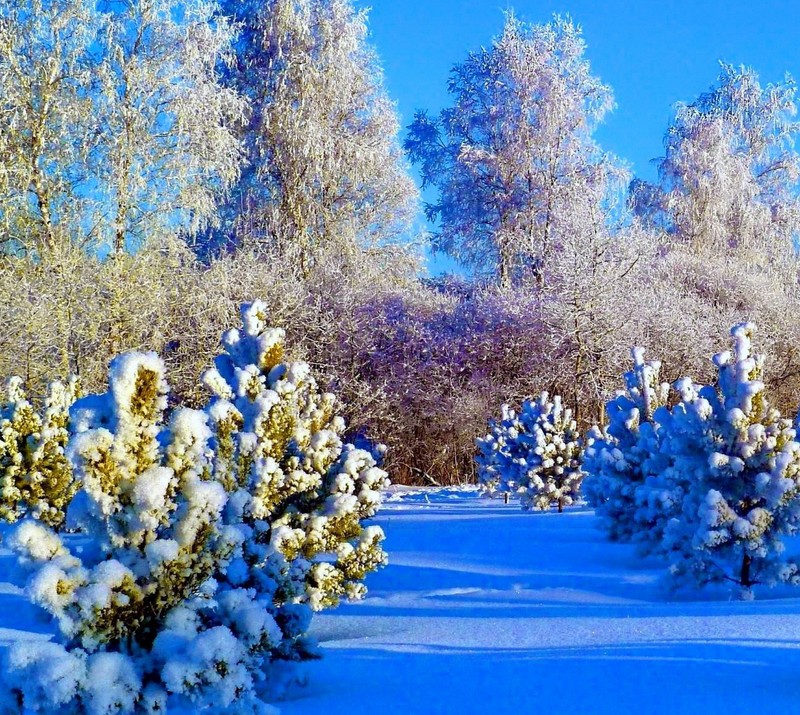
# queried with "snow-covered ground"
point(485, 609)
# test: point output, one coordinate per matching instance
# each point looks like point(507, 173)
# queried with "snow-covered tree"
point(535, 454)
point(710, 482)
point(299, 491)
point(36, 478)
point(622, 457)
point(497, 460)
point(725, 213)
point(326, 169)
point(212, 536)
point(741, 465)
point(728, 181)
point(115, 126)
point(169, 149)
point(129, 599)
point(513, 159)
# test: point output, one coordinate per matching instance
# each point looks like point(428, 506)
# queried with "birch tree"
point(725, 209)
point(514, 154)
point(45, 107)
point(326, 169)
point(170, 149)
point(728, 180)
point(113, 124)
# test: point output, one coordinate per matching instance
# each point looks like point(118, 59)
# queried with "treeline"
point(164, 161)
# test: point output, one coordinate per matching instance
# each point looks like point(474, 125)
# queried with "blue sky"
point(653, 53)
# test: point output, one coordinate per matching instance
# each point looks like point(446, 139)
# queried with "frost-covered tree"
point(729, 178)
point(326, 170)
point(45, 120)
point(513, 159)
point(169, 150)
point(741, 465)
point(622, 457)
point(114, 124)
point(587, 305)
point(208, 538)
point(535, 454)
point(725, 213)
point(36, 479)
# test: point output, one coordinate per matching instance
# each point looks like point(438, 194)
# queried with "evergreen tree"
point(36, 478)
point(536, 455)
point(299, 492)
point(213, 535)
point(622, 457)
point(741, 463)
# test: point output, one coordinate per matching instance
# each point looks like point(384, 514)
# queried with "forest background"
point(165, 161)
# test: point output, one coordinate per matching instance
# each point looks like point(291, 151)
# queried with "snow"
point(487, 608)
point(484, 606)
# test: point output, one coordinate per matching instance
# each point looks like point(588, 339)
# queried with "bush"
point(711, 482)
point(626, 454)
point(536, 455)
point(445, 358)
point(212, 536)
point(35, 476)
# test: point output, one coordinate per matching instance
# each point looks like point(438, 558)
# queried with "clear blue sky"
point(653, 53)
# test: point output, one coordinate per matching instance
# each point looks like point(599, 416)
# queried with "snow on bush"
point(712, 482)
point(741, 466)
point(535, 454)
point(299, 494)
point(623, 461)
point(207, 538)
point(35, 476)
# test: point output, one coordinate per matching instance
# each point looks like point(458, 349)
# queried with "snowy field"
point(485, 609)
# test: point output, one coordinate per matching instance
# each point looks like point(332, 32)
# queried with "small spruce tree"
point(143, 580)
point(297, 489)
point(741, 462)
point(496, 458)
point(35, 476)
point(622, 457)
point(212, 536)
point(536, 454)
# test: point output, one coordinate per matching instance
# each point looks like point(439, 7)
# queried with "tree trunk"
point(744, 576)
point(505, 272)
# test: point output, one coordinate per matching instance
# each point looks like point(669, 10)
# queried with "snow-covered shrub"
point(207, 538)
point(740, 466)
point(495, 461)
point(35, 476)
point(151, 509)
point(622, 457)
point(535, 454)
point(299, 494)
